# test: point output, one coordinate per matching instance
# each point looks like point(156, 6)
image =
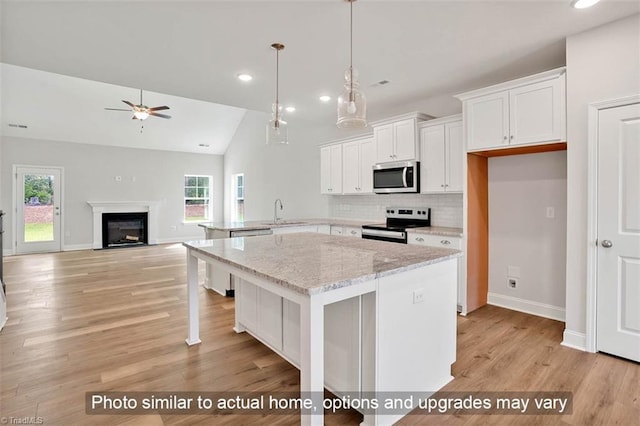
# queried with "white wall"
point(289, 172)
point(602, 63)
point(521, 187)
point(89, 172)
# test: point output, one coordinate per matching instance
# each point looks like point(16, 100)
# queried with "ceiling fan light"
point(141, 115)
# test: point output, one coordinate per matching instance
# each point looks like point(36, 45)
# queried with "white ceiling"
point(195, 49)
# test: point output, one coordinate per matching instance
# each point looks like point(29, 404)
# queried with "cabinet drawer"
point(435, 241)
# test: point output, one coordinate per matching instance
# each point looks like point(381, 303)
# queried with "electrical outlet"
point(551, 212)
point(418, 296)
point(513, 283)
point(174, 228)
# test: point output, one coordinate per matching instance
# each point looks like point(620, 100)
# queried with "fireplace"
point(124, 229)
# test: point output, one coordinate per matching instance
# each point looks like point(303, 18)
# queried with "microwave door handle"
point(404, 176)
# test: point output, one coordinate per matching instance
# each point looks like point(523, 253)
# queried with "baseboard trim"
point(76, 247)
point(574, 340)
point(527, 306)
point(8, 252)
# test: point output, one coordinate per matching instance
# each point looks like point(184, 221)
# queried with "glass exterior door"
point(38, 209)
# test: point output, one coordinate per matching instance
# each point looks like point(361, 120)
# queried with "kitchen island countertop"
point(311, 263)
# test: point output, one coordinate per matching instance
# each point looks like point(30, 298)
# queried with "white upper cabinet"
point(358, 158)
point(441, 155)
point(397, 139)
point(331, 169)
point(526, 111)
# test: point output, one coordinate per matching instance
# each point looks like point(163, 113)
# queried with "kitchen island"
point(300, 293)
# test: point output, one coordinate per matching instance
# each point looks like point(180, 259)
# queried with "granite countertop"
point(311, 263)
point(266, 224)
point(438, 230)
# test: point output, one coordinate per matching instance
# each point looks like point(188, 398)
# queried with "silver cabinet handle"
point(511, 137)
point(445, 242)
point(353, 232)
point(606, 244)
point(419, 239)
point(504, 138)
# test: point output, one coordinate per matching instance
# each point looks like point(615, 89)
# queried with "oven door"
point(396, 177)
point(384, 235)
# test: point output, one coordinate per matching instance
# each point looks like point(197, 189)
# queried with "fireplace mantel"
point(99, 207)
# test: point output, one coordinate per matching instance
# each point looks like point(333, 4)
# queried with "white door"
point(350, 168)
point(433, 158)
point(367, 160)
point(38, 209)
point(404, 135)
point(618, 280)
point(455, 156)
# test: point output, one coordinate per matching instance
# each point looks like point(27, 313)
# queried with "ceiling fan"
point(141, 111)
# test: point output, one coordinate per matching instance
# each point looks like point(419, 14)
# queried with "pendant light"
point(277, 127)
point(352, 104)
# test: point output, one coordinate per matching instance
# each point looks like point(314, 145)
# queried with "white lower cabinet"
point(445, 242)
point(347, 231)
point(294, 229)
point(276, 322)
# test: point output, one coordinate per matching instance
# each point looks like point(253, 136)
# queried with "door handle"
point(606, 244)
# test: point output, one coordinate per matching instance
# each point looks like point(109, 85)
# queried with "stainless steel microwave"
point(397, 176)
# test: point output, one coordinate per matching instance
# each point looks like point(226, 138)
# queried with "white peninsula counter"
point(353, 315)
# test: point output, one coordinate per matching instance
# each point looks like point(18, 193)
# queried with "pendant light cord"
point(277, 85)
point(351, 49)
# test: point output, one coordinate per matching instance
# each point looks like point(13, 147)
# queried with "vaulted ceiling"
point(195, 49)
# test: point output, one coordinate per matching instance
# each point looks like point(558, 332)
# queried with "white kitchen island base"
point(403, 321)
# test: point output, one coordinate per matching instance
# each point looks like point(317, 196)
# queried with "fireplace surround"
point(101, 207)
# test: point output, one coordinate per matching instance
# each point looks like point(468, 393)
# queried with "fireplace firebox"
point(124, 229)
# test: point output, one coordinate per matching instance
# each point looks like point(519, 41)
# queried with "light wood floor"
point(115, 320)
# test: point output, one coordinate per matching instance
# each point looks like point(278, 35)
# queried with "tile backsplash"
point(446, 209)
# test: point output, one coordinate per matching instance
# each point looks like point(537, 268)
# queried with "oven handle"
point(404, 176)
point(396, 235)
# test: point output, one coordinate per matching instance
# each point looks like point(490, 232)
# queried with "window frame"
point(208, 211)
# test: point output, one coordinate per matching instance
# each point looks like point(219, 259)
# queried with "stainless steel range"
point(399, 219)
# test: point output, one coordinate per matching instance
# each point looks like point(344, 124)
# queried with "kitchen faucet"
point(275, 210)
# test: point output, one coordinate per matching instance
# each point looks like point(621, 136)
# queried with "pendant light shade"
point(352, 104)
point(277, 133)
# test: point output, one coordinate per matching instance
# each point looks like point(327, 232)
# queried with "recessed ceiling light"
point(245, 77)
point(290, 109)
point(583, 4)
point(325, 98)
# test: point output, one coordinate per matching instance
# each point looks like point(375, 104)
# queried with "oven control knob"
point(419, 212)
point(424, 212)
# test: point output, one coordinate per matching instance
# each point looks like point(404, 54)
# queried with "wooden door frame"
point(14, 209)
point(592, 213)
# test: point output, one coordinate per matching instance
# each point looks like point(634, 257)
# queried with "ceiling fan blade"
point(159, 115)
point(117, 109)
point(159, 108)
point(128, 103)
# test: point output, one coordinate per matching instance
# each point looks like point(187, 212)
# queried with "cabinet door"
point(454, 157)
point(325, 170)
point(487, 121)
point(404, 135)
point(248, 312)
point(383, 136)
point(432, 159)
point(367, 160)
point(536, 112)
point(291, 330)
point(336, 169)
point(351, 168)
point(270, 318)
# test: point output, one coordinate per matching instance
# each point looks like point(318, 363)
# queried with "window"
point(238, 197)
point(197, 204)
